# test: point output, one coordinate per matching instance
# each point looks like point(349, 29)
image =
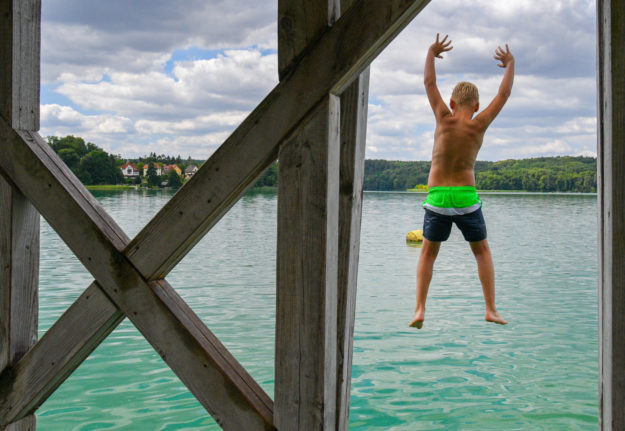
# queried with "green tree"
point(98, 167)
point(153, 179)
point(173, 180)
point(70, 157)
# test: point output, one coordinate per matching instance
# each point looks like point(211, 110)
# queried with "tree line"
point(93, 165)
point(543, 174)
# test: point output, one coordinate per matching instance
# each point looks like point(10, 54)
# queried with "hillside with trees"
point(92, 165)
point(543, 174)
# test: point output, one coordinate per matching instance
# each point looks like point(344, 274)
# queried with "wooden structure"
point(315, 121)
point(611, 186)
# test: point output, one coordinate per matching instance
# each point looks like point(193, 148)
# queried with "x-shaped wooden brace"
point(130, 274)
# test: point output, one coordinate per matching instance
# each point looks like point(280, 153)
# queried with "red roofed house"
point(157, 166)
point(129, 170)
point(170, 168)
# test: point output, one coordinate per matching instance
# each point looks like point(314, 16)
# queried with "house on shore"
point(129, 170)
point(157, 166)
point(190, 171)
point(170, 168)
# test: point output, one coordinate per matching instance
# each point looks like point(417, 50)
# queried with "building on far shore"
point(190, 171)
point(157, 166)
point(129, 170)
point(170, 168)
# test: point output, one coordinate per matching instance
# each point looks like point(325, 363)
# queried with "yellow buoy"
point(414, 236)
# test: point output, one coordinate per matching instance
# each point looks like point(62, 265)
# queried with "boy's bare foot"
point(493, 316)
point(417, 320)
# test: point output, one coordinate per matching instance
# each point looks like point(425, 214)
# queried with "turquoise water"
point(457, 373)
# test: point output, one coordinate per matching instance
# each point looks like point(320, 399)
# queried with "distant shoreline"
point(267, 189)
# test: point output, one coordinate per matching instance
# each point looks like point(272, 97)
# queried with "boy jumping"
point(452, 197)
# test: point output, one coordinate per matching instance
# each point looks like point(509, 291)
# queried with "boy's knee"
point(430, 249)
point(480, 248)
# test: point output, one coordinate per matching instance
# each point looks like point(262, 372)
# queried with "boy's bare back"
point(458, 136)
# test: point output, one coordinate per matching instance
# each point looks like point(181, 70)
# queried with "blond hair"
point(465, 94)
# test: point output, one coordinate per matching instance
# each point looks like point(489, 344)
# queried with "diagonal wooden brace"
point(210, 372)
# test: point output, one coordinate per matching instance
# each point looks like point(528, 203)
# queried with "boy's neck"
point(464, 113)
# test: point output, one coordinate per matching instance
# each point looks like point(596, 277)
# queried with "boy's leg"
point(429, 251)
point(486, 272)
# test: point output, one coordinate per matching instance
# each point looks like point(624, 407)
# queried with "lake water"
point(457, 373)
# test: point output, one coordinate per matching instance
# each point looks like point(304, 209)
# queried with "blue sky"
point(178, 77)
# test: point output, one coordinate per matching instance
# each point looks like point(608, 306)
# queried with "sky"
point(177, 78)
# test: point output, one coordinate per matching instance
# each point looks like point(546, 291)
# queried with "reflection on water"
point(457, 373)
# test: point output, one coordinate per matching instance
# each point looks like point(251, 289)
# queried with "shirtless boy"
point(452, 197)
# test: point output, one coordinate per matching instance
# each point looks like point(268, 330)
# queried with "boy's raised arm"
point(429, 76)
point(507, 60)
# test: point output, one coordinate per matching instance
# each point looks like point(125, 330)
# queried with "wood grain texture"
point(611, 184)
point(305, 383)
point(20, 22)
point(217, 380)
point(300, 23)
point(354, 104)
point(19, 282)
point(20, 45)
point(26, 424)
point(335, 60)
point(19, 274)
point(60, 351)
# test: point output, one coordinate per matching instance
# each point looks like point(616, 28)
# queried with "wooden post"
point(308, 178)
point(19, 221)
point(305, 388)
point(611, 182)
point(352, 166)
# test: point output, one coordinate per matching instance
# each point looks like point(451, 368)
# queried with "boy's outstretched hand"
point(438, 48)
point(504, 56)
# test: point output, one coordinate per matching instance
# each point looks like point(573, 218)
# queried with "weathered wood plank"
point(611, 182)
point(20, 45)
point(61, 350)
point(305, 385)
point(354, 103)
point(19, 221)
point(334, 61)
point(217, 380)
point(19, 274)
point(300, 23)
point(26, 424)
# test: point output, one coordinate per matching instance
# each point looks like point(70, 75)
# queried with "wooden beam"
point(305, 384)
point(203, 364)
point(19, 274)
point(330, 65)
point(61, 350)
point(300, 23)
point(20, 46)
point(20, 23)
point(19, 281)
point(611, 179)
point(353, 133)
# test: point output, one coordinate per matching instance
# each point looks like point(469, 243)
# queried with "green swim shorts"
point(455, 200)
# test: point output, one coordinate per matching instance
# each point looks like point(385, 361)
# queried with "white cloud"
point(109, 59)
point(65, 120)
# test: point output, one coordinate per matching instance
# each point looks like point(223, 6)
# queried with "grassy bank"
point(111, 187)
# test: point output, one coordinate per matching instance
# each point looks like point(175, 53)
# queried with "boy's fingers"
point(507, 49)
point(436, 37)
